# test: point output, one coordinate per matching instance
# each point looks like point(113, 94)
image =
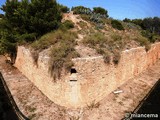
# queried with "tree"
point(44, 16)
point(100, 10)
point(37, 16)
point(126, 20)
point(63, 9)
point(156, 23)
point(1, 15)
point(28, 20)
point(7, 40)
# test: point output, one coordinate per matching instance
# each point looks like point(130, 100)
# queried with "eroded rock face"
point(91, 80)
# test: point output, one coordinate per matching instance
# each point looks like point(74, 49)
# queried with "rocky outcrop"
point(90, 79)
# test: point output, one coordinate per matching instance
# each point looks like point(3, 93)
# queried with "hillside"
point(79, 36)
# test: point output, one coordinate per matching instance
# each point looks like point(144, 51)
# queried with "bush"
point(116, 37)
point(117, 25)
point(105, 46)
point(94, 39)
point(100, 10)
point(131, 26)
point(143, 42)
point(81, 10)
point(82, 24)
point(151, 36)
point(85, 17)
point(68, 24)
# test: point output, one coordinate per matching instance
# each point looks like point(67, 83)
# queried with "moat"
point(151, 103)
point(6, 109)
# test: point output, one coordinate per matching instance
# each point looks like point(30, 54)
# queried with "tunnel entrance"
point(73, 77)
point(73, 70)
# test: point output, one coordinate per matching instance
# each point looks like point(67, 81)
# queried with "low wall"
point(94, 79)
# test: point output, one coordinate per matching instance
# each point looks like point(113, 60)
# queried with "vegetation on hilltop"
point(26, 21)
point(38, 23)
point(63, 9)
point(62, 50)
point(150, 27)
point(117, 25)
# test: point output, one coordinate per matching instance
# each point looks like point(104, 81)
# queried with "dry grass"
point(93, 105)
point(106, 45)
point(82, 24)
point(61, 52)
point(143, 42)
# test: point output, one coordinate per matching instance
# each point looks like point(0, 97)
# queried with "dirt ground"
point(37, 106)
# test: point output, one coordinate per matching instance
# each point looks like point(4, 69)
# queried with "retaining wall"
point(94, 79)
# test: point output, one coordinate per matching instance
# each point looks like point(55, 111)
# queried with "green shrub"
point(155, 38)
point(105, 46)
point(116, 37)
point(151, 36)
point(82, 24)
point(81, 10)
point(117, 25)
point(1, 15)
point(100, 10)
point(68, 24)
point(85, 17)
point(94, 39)
point(143, 42)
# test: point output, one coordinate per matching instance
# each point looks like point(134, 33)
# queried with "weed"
point(106, 21)
point(74, 118)
point(82, 24)
point(67, 24)
point(107, 57)
point(35, 56)
point(32, 116)
point(116, 57)
point(143, 42)
point(116, 37)
point(85, 17)
point(93, 105)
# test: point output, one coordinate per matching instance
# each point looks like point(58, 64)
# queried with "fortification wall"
point(94, 79)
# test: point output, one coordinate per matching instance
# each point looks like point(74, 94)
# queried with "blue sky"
point(118, 9)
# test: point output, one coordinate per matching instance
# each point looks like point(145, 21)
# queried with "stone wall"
point(93, 79)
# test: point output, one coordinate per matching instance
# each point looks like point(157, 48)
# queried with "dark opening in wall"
point(73, 70)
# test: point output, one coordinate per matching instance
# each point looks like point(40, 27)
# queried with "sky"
point(118, 9)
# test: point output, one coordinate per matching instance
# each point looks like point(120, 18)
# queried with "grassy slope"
point(107, 41)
